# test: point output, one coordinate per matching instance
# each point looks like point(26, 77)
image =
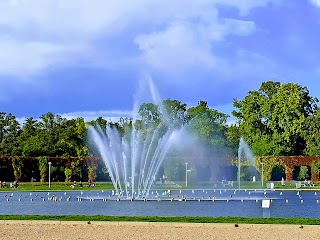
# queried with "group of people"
point(3, 184)
point(90, 183)
point(75, 184)
point(308, 183)
point(13, 184)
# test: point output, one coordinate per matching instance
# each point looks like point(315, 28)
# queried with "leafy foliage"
point(43, 167)
point(17, 164)
point(303, 173)
point(316, 167)
point(311, 134)
point(68, 173)
point(9, 132)
point(76, 173)
point(275, 120)
point(272, 119)
point(210, 125)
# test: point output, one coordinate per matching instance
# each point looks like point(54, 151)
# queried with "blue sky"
point(87, 57)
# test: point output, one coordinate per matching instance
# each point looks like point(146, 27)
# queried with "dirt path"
point(139, 230)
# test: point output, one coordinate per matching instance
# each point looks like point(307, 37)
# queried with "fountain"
point(134, 154)
point(244, 151)
point(133, 157)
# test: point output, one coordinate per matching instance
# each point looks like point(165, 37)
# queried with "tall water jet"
point(244, 151)
point(134, 155)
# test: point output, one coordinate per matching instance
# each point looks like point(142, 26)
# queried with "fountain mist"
point(133, 157)
point(245, 153)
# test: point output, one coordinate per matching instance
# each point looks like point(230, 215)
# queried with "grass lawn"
point(67, 186)
point(235, 220)
point(57, 186)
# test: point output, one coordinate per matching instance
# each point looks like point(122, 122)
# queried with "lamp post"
point(49, 173)
point(262, 174)
point(187, 170)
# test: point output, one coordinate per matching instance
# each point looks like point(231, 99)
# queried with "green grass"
point(63, 186)
point(57, 186)
point(233, 220)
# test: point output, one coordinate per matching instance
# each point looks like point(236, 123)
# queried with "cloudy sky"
point(87, 57)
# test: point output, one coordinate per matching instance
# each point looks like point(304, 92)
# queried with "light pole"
point(187, 170)
point(262, 174)
point(49, 173)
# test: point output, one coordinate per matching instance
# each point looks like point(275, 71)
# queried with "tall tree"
point(28, 134)
point(213, 147)
point(170, 112)
point(272, 118)
point(311, 134)
point(71, 138)
point(174, 112)
point(150, 113)
point(10, 130)
point(2, 125)
point(209, 124)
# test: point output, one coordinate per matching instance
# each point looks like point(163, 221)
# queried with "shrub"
point(68, 174)
point(303, 173)
point(43, 167)
point(17, 164)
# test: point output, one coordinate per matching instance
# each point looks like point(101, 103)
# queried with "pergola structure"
point(290, 162)
point(298, 161)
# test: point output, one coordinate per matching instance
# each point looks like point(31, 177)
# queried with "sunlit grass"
point(67, 186)
point(233, 220)
point(57, 186)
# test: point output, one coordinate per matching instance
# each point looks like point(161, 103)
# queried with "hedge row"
point(66, 169)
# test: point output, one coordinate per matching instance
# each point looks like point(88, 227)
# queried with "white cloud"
point(184, 44)
point(177, 46)
point(28, 58)
point(315, 2)
point(37, 35)
point(113, 115)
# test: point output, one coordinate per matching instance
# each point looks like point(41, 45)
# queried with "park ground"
point(36, 229)
point(65, 186)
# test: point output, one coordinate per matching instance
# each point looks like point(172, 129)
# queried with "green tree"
point(71, 140)
point(17, 164)
point(272, 118)
point(28, 139)
point(303, 173)
point(150, 113)
point(9, 144)
point(35, 146)
point(51, 129)
point(68, 174)
point(102, 123)
point(76, 170)
point(43, 168)
point(311, 134)
point(174, 112)
point(29, 128)
point(234, 135)
point(210, 125)
point(38, 138)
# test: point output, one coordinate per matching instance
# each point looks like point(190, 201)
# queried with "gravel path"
point(141, 230)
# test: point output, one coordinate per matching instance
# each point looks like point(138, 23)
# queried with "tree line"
point(275, 120)
point(54, 136)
